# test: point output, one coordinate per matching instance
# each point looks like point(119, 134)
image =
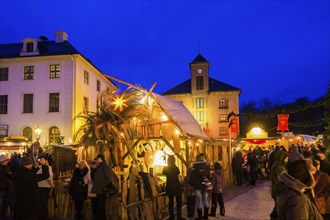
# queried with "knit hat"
point(299, 170)
point(3, 158)
point(171, 160)
point(200, 157)
point(101, 156)
point(217, 166)
point(25, 161)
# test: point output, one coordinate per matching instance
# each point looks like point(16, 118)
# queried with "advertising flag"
point(234, 128)
point(283, 122)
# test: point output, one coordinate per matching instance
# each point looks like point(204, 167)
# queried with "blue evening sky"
point(269, 49)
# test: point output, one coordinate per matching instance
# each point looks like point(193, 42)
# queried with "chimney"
point(61, 36)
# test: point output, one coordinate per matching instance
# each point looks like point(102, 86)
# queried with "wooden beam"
point(172, 148)
point(129, 150)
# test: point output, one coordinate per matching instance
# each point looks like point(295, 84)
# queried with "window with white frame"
point(54, 71)
point(28, 72)
point(86, 77)
point(53, 135)
point(199, 102)
point(4, 74)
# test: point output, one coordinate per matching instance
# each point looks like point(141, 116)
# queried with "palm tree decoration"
point(113, 123)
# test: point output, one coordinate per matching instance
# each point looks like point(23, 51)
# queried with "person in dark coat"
point(217, 183)
point(27, 199)
point(295, 154)
point(190, 194)
point(173, 187)
point(252, 162)
point(292, 202)
point(78, 187)
point(237, 165)
point(101, 180)
point(6, 188)
point(200, 171)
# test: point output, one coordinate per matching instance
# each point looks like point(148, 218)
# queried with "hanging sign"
point(234, 127)
point(283, 122)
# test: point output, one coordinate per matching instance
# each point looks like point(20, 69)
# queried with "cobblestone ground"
point(254, 204)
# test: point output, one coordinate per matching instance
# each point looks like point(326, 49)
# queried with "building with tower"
point(210, 101)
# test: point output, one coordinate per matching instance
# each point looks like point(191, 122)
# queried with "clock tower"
point(199, 73)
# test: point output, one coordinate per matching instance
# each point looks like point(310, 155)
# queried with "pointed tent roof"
point(214, 86)
point(180, 115)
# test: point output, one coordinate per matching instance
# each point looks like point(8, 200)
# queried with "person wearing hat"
point(6, 187)
point(217, 183)
point(200, 171)
point(101, 180)
point(27, 203)
point(292, 193)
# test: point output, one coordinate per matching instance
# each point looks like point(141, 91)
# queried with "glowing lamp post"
point(256, 131)
point(37, 131)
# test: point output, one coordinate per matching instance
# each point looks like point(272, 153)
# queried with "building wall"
point(70, 85)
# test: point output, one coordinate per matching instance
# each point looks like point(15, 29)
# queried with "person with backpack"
point(217, 183)
point(200, 174)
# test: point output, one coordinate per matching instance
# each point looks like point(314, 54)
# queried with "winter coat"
point(27, 202)
point(200, 170)
point(277, 168)
point(322, 186)
point(217, 181)
point(102, 178)
point(252, 161)
point(173, 185)
point(295, 155)
point(291, 201)
point(6, 186)
point(237, 162)
point(78, 185)
point(325, 166)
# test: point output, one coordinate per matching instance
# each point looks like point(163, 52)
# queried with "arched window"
point(54, 134)
point(27, 132)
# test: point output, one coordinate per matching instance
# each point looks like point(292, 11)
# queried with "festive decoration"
point(256, 141)
point(119, 102)
point(283, 122)
point(234, 125)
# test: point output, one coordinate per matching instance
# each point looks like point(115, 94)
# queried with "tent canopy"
point(181, 116)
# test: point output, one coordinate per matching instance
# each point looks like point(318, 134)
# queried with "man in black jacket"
point(101, 180)
point(26, 180)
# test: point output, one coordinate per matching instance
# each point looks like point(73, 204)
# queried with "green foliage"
point(110, 126)
point(326, 121)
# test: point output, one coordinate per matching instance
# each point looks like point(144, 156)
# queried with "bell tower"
point(199, 74)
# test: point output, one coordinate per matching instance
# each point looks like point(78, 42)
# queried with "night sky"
point(269, 49)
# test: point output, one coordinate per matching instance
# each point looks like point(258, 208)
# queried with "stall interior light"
point(177, 132)
point(160, 158)
point(256, 131)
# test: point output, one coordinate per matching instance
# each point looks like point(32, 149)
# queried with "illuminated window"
point(3, 104)
point(199, 82)
point(223, 118)
point(54, 134)
point(3, 74)
point(200, 103)
point(28, 103)
point(28, 72)
point(54, 71)
point(200, 117)
point(223, 103)
point(86, 77)
point(27, 132)
point(223, 131)
point(54, 102)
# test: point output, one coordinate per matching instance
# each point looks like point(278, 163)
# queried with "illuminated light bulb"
point(256, 131)
point(177, 132)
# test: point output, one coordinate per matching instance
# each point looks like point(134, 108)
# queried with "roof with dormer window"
point(214, 86)
point(46, 48)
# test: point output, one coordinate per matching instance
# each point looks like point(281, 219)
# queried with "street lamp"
point(37, 131)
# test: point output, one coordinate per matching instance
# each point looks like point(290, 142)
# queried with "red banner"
point(234, 128)
point(283, 122)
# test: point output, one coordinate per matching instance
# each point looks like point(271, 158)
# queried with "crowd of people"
point(197, 185)
point(26, 183)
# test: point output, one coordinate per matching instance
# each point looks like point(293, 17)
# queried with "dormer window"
point(30, 47)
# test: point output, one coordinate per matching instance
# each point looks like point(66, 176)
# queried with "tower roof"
point(199, 59)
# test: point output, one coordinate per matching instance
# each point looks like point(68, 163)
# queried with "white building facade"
point(46, 84)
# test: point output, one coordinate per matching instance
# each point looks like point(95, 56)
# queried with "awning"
point(181, 116)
